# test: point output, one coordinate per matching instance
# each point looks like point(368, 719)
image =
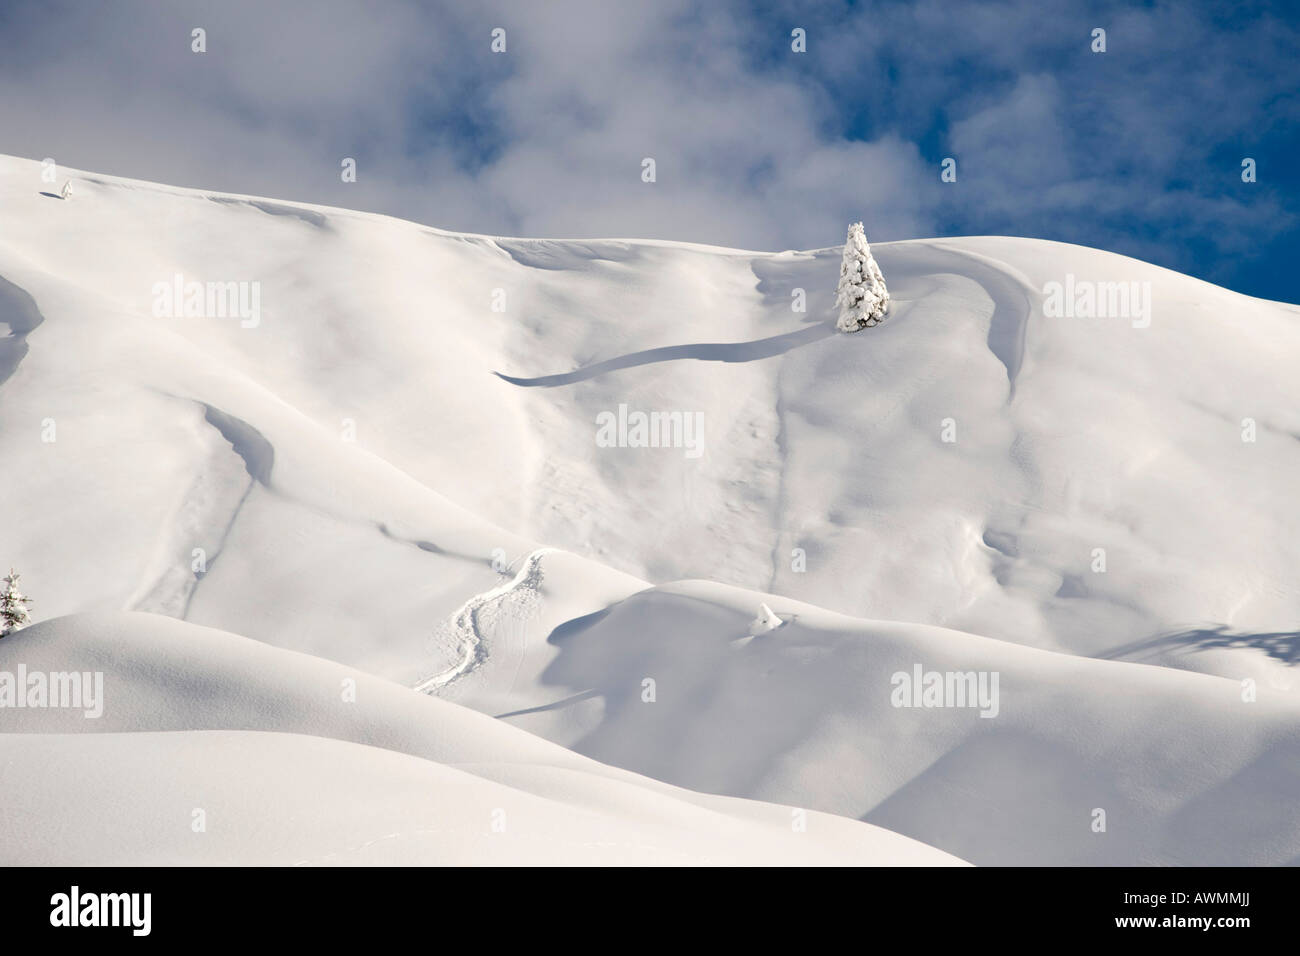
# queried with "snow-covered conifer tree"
point(861, 296)
point(13, 605)
point(766, 621)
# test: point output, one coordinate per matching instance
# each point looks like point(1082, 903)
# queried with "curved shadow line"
point(704, 352)
point(18, 310)
point(1012, 308)
point(556, 705)
point(1282, 645)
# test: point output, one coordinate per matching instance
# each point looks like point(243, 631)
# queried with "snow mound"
point(1186, 767)
point(288, 759)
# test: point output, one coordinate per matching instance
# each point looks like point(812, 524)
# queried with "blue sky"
point(1137, 150)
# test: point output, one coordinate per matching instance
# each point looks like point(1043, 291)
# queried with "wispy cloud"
point(1137, 149)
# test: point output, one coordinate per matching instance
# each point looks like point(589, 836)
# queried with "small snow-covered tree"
point(766, 621)
point(861, 296)
point(66, 191)
point(13, 605)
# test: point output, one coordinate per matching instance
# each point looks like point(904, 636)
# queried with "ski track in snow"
point(464, 622)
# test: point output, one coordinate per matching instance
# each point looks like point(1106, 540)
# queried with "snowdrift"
point(1184, 769)
point(286, 759)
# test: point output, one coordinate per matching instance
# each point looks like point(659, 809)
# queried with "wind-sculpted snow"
point(561, 256)
point(769, 347)
point(1098, 508)
point(296, 760)
point(19, 312)
point(247, 442)
point(308, 216)
point(206, 513)
point(808, 713)
point(1008, 291)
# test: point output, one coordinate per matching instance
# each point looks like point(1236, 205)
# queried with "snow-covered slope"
point(1185, 769)
point(374, 470)
point(290, 759)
